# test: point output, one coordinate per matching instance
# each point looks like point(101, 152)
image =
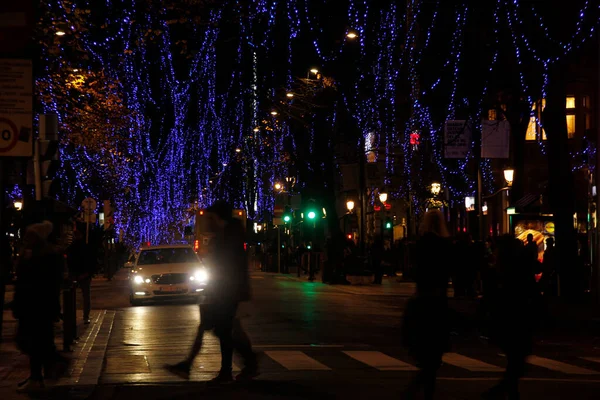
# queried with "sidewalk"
point(14, 366)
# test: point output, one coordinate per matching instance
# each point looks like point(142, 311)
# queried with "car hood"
point(157, 269)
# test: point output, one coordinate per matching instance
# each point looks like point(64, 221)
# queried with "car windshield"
point(167, 256)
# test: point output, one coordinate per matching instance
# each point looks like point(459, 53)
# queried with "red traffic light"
point(349, 236)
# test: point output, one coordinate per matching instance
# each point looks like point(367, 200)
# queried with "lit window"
point(570, 102)
point(571, 126)
point(531, 130)
point(492, 114)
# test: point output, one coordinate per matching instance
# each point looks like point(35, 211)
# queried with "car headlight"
point(139, 279)
point(200, 276)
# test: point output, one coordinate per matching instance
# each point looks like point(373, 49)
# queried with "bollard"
point(69, 316)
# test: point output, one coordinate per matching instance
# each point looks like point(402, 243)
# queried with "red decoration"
point(415, 139)
point(377, 208)
point(388, 206)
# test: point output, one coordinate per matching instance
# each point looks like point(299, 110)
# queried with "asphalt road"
point(314, 341)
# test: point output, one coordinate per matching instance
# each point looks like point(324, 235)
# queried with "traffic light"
point(287, 216)
point(388, 223)
point(47, 148)
point(311, 215)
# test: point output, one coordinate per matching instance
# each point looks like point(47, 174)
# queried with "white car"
point(167, 272)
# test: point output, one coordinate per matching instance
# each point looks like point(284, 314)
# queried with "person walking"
point(230, 285)
point(512, 315)
point(81, 270)
point(36, 303)
point(425, 327)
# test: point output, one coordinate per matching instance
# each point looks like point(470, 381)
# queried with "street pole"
point(278, 249)
point(362, 183)
point(37, 170)
point(3, 268)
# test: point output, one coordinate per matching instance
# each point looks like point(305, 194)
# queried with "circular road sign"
point(89, 204)
point(8, 135)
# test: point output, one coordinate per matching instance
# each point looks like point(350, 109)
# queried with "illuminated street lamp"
point(350, 205)
point(256, 129)
point(60, 33)
point(351, 35)
point(259, 227)
point(509, 175)
point(238, 150)
point(435, 188)
point(18, 204)
point(273, 113)
point(383, 197)
point(289, 95)
point(313, 71)
point(278, 186)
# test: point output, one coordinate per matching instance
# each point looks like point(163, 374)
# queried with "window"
point(570, 102)
point(588, 121)
point(533, 129)
point(167, 256)
point(571, 126)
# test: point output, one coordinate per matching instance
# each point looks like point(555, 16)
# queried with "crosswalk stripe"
point(592, 359)
point(380, 361)
point(296, 361)
point(559, 366)
point(468, 363)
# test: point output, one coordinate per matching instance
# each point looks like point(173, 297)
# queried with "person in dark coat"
point(81, 270)
point(512, 314)
point(230, 285)
point(425, 328)
point(36, 303)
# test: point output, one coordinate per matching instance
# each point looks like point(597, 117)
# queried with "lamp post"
point(383, 197)
point(18, 204)
point(311, 71)
point(435, 189)
point(509, 175)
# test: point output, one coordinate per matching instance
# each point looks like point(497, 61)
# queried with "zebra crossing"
point(296, 360)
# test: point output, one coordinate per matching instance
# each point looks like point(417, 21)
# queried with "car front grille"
point(159, 293)
point(170, 279)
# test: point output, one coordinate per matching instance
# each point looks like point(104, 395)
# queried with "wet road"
point(314, 341)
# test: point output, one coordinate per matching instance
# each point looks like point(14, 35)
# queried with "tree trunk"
point(560, 182)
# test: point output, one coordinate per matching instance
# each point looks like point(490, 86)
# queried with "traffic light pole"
point(278, 249)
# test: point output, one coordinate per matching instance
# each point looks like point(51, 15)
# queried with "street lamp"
point(60, 33)
point(289, 95)
point(238, 150)
point(18, 204)
point(435, 188)
point(278, 186)
point(351, 35)
point(509, 175)
point(273, 113)
point(383, 197)
point(259, 227)
point(314, 71)
point(350, 205)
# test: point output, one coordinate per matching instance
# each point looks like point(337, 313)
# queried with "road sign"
point(89, 205)
point(278, 221)
point(16, 108)
point(457, 139)
point(278, 210)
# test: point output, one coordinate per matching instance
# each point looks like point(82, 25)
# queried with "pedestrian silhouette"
point(37, 304)
point(425, 327)
point(512, 314)
point(229, 285)
point(81, 270)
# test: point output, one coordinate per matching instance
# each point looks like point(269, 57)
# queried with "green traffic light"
point(311, 215)
point(286, 218)
point(388, 225)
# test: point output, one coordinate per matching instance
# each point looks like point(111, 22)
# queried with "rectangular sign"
point(16, 108)
point(457, 139)
point(494, 139)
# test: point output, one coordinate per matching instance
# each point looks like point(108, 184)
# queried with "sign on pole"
point(16, 108)
point(89, 206)
point(457, 139)
point(495, 139)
